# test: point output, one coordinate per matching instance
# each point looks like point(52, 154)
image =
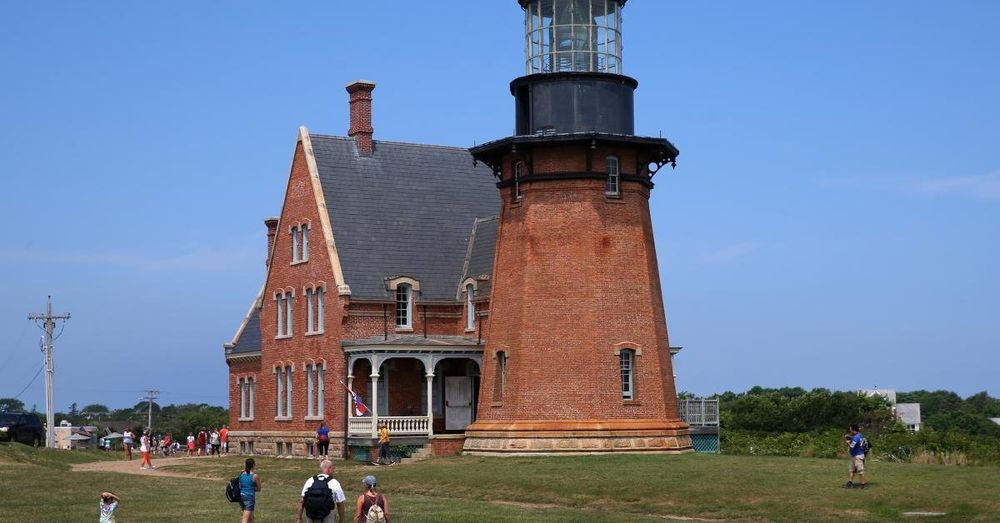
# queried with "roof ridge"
point(348, 138)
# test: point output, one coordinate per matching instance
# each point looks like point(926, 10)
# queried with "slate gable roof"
point(482, 246)
point(406, 210)
point(249, 338)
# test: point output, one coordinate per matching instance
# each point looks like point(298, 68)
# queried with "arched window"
point(284, 302)
point(611, 187)
point(470, 308)
point(517, 180)
point(627, 360)
point(501, 376)
point(404, 306)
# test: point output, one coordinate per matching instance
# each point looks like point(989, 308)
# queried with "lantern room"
point(573, 35)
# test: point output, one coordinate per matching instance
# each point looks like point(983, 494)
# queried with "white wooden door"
point(457, 402)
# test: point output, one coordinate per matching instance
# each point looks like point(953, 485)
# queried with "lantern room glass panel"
point(572, 36)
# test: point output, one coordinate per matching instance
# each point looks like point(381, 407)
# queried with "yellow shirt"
point(383, 435)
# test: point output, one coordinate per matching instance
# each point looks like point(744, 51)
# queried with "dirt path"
point(132, 467)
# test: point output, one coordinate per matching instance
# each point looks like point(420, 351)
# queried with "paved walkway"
point(132, 467)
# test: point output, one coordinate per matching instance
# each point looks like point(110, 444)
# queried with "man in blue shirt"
point(857, 451)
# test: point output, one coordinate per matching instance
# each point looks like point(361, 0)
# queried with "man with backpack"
point(320, 495)
point(857, 446)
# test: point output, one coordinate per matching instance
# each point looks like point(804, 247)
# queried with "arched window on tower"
point(404, 306)
point(501, 376)
point(518, 168)
point(627, 361)
point(612, 186)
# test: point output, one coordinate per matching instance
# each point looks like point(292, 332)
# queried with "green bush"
point(926, 446)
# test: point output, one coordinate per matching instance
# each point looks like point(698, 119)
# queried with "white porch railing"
point(398, 425)
point(360, 426)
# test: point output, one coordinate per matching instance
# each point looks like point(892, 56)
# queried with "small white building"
point(907, 413)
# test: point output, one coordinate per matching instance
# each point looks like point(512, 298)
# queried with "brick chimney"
point(361, 115)
point(272, 232)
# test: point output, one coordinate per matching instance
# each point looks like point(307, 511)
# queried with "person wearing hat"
point(371, 503)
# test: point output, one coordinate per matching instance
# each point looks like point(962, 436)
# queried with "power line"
point(30, 382)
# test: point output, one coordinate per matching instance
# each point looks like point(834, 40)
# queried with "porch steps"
point(419, 454)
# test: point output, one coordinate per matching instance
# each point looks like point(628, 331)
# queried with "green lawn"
point(37, 485)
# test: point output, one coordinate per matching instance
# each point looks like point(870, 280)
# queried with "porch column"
point(430, 403)
point(374, 407)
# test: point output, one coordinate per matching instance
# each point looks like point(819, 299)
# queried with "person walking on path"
point(224, 436)
point(215, 441)
point(108, 506)
point(857, 446)
point(146, 447)
point(202, 442)
point(249, 487)
point(383, 444)
point(319, 502)
point(322, 441)
point(363, 507)
point(190, 444)
point(127, 440)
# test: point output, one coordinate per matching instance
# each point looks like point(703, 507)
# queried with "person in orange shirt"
point(224, 434)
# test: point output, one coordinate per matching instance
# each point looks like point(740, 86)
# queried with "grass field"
point(38, 485)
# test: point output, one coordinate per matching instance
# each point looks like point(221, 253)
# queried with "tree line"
point(172, 419)
point(796, 410)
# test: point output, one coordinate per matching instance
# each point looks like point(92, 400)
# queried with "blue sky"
point(833, 219)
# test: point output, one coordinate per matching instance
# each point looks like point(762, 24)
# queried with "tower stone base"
point(541, 438)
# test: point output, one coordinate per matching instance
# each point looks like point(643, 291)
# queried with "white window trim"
point(310, 320)
point(630, 355)
point(288, 391)
point(320, 309)
point(280, 306)
point(243, 386)
point(470, 308)
point(280, 379)
point(253, 387)
point(613, 175)
point(408, 325)
point(317, 386)
point(314, 310)
point(304, 230)
point(309, 391)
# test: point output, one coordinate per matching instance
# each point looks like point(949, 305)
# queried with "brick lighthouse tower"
point(577, 358)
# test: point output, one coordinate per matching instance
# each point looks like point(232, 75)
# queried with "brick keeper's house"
point(498, 300)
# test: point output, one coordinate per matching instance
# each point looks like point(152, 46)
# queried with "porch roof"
point(410, 343)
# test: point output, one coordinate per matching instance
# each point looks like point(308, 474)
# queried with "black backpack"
point(233, 490)
point(318, 499)
point(866, 446)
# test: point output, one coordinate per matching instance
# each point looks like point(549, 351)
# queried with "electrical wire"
point(30, 382)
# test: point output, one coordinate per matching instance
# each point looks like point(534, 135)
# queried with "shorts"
point(247, 503)
point(857, 465)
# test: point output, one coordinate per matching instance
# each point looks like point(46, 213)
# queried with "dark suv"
point(20, 426)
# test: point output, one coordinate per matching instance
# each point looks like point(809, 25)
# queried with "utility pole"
point(48, 323)
point(151, 395)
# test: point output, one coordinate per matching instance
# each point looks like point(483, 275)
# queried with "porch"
point(421, 388)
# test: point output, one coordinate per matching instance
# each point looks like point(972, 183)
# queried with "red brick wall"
point(300, 207)
point(240, 369)
point(575, 274)
point(446, 447)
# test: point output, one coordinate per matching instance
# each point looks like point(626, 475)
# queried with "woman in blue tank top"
point(249, 487)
